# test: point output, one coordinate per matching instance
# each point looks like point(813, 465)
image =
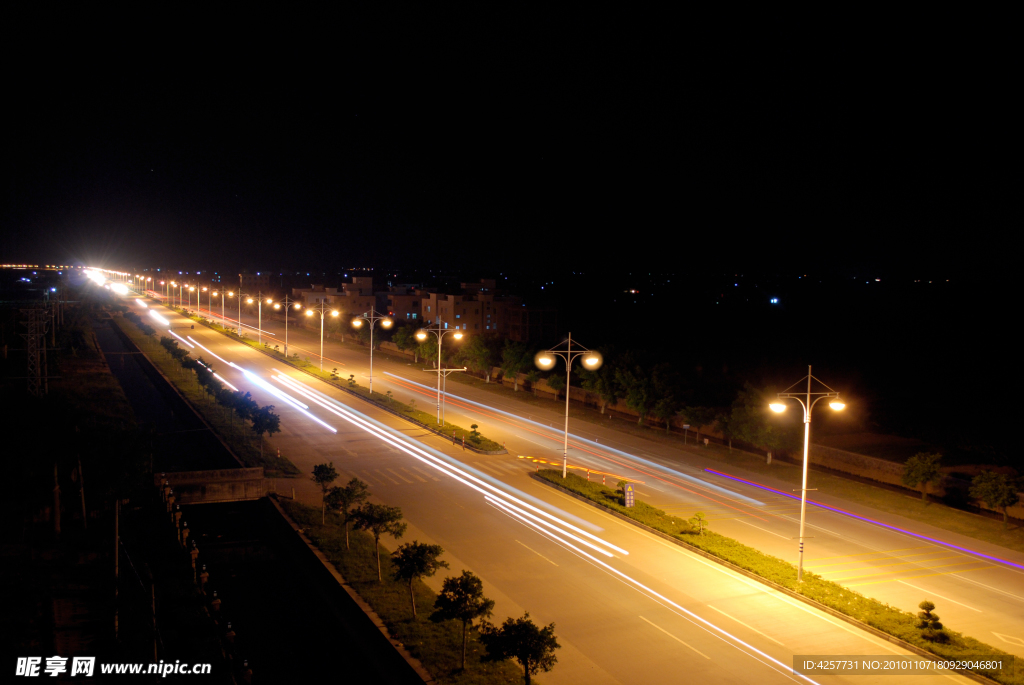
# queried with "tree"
point(323, 476)
point(920, 470)
point(514, 358)
point(379, 519)
point(699, 521)
point(750, 422)
point(416, 560)
point(462, 599)
point(478, 356)
point(344, 500)
point(601, 383)
point(931, 628)
point(995, 490)
point(699, 417)
point(264, 420)
point(638, 388)
point(405, 339)
point(521, 639)
point(532, 377)
point(428, 349)
point(556, 382)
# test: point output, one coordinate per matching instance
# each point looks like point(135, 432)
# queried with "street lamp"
point(806, 401)
point(546, 360)
point(373, 317)
point(259, 321)
point(439, 333)
point(288, 303)
point(190, 289)
point(323, 310)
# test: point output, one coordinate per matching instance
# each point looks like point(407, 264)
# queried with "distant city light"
point(775, 300)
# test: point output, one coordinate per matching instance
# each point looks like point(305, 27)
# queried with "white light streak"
point(181, 338)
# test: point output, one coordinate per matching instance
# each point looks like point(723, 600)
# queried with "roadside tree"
point(995, 490)
point(324, 475)
point(920, 470)
point(523, 640)
point(379, 519)
point(344, 500)
point(265, 421)
point(462, 599)
point(416, 560)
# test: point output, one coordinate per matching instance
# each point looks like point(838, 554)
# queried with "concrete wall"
point(219, 485)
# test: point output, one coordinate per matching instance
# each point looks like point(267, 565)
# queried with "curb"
point(977, 677)
point(355, 394)
point(413, 662)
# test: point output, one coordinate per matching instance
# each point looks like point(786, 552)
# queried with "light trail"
point(837, 510)
point(303, 408)
point(676, 608)
point(431, 460)
point(142, 304)
point(208, 350)
point(221, 379)
point(548, 525)
point(165, 322)
point(181, 338)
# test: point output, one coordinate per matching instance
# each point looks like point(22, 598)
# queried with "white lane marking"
point(746, 626)
point(675, 638)
point(1011, 639)
point(940, 596)
point(743, 579)
point(400, 476)
point(538, 554)
point(424, 473)
point(972, 580)
point(763, 529)
point(487, 467)
point(422, 480)
point(386, 476)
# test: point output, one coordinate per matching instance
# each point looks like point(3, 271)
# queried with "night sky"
point(531, 141)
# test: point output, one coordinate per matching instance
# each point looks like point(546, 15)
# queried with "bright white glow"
point(208, 350)
point(181, 338)
point(142, 304)
point(221, 379)
point(590, 361)
point(284, 396)
point(421, 336)
point(386, 323)
point(335, 313)
point(119, 288)
point(309, 312)
point(777, 407)
point(162, 320)
point(837, 405)
point(545, 362)
point(358, 323)
point(413, 450)
point(507, 506)
point(458, 335)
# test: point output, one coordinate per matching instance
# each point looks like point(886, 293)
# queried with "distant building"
point(254, 283)
point(532, 323)
point(315, 295)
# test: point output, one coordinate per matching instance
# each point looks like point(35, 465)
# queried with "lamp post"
point(288, 303)
point(259, 320)
point(323, 310)
point(190, 289)
point(439, 333)
point(807, 400)
point(373, 317)
point(546, 360)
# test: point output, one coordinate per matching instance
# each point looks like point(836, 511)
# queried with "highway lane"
point(656, 614)
point(977, 595)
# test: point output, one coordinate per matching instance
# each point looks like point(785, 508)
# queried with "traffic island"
point(882, 620)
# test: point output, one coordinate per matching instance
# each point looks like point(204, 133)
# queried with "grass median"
point(234, 432)
point(876, 614)
point(457, 433)
point(438, 646)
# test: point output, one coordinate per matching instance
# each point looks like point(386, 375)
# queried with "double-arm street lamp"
point(807, 400)
point(190, 289)
point(223, 296)
point(439, 333)
point(259, 320)
point(287, 303)
point(323, 309)
point(372, 317)
point(546, 360)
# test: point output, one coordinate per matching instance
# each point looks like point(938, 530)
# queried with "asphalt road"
point(978, 587)
point(629, 607)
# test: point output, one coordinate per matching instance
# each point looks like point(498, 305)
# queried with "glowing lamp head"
point(298, 306)
point(309, 312)
point(386, 323)
point(544, 361)
point(592, 361)
point(777, 407)
point(190, 288)
point(458, 335)
point(335, 312)
point(358, 323)
point(420, 335)
point(249, 300)
point(231, 293)
point(204, 290)
point(837, 404)
point(269, 301)
point(277, 306)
